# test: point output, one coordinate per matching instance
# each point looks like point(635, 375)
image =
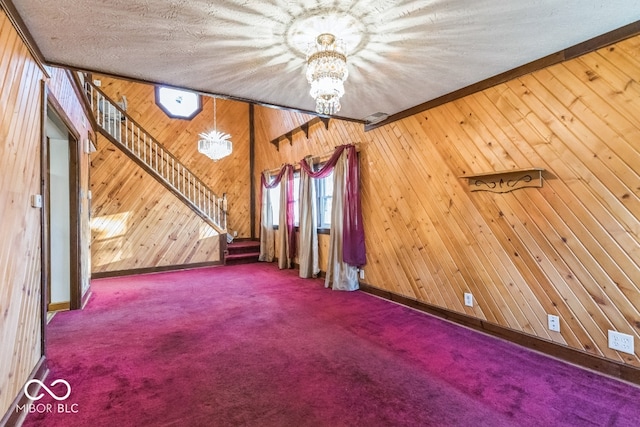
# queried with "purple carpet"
point(250, 345)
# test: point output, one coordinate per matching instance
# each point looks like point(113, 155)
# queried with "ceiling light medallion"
point(214, 144)
point(326, 73)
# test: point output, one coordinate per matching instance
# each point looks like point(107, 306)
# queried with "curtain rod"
point(316, 159)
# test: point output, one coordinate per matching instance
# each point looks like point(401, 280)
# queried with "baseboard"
point(120, 273)
point(58, 306)
point(589, 361)
point(14, 417)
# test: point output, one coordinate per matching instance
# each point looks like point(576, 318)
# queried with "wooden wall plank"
point(570, 248)
point(20, 121)
point(229, 175)
point(156, 229)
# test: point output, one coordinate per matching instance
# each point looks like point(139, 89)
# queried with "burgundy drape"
point(353, 248)
point(290, 203)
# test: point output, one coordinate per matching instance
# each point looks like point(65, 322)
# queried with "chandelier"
point(214, 144)
point(326, 72)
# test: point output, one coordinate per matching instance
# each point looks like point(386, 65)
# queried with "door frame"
point(75, 300)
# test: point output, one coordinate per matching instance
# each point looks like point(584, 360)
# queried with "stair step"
point(241, 258)
point(243, 255)
point(249, 246)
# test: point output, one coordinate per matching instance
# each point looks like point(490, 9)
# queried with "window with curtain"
point(275, 195)
point(324, 195)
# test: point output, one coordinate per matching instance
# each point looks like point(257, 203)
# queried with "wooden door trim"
point(75, 297)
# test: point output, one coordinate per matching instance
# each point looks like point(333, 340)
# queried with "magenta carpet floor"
point(249, 345)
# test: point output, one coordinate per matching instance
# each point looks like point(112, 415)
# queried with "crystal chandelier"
point(326, 72)
point(214, 144)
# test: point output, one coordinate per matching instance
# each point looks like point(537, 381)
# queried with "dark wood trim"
point(302, 128)
point(222, 244)
point(252, 166)
point(150, 270)
point(603, 40)
point(45, 227)
point(55, 105)
point(25, 35)
point(75, 149)
point(203, 92)
point(75, 208)
point(604, 366)
point(14, 417)
point(555, 58)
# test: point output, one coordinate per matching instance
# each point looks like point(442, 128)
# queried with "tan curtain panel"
point(267, 233)
point(340, 275)
point(308, 229)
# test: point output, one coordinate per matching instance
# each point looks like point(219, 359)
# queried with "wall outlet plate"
point(468, 299)
point(621, 342)
point(554, 323)
point(361, 274)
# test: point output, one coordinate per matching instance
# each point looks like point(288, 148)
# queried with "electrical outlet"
point(468, 299)
point(554, 323)
point(621, 342)
point(235, 233)
point(361, 274)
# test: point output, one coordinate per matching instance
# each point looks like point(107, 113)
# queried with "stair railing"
point(131, 138)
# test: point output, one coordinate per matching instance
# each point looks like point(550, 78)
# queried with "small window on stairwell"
point(177, 103)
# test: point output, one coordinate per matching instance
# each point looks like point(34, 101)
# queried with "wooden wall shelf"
point(505, 181)
point(302, 128)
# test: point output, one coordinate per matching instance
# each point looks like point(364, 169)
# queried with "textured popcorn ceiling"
point(401, 53)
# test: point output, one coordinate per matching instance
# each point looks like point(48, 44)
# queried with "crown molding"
point(15, 18)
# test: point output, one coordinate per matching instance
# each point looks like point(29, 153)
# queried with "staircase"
point(113, 123)
point(242, 252)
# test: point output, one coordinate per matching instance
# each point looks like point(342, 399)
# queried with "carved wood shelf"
point(302, 128)
point(505, 181)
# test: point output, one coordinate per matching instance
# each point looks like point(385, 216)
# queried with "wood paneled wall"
point(135, 229)
point(570, 248)
point(20, 249)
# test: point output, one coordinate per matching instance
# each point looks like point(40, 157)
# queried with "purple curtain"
point(353, 248)
point(326, 169)
point(290, 203)
point(276, 180)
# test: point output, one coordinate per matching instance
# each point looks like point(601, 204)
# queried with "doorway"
point(62, 211)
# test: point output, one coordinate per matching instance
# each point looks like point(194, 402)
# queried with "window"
point(324, 196)
point(178, 104)
point(275, 201)
point(274, 195)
